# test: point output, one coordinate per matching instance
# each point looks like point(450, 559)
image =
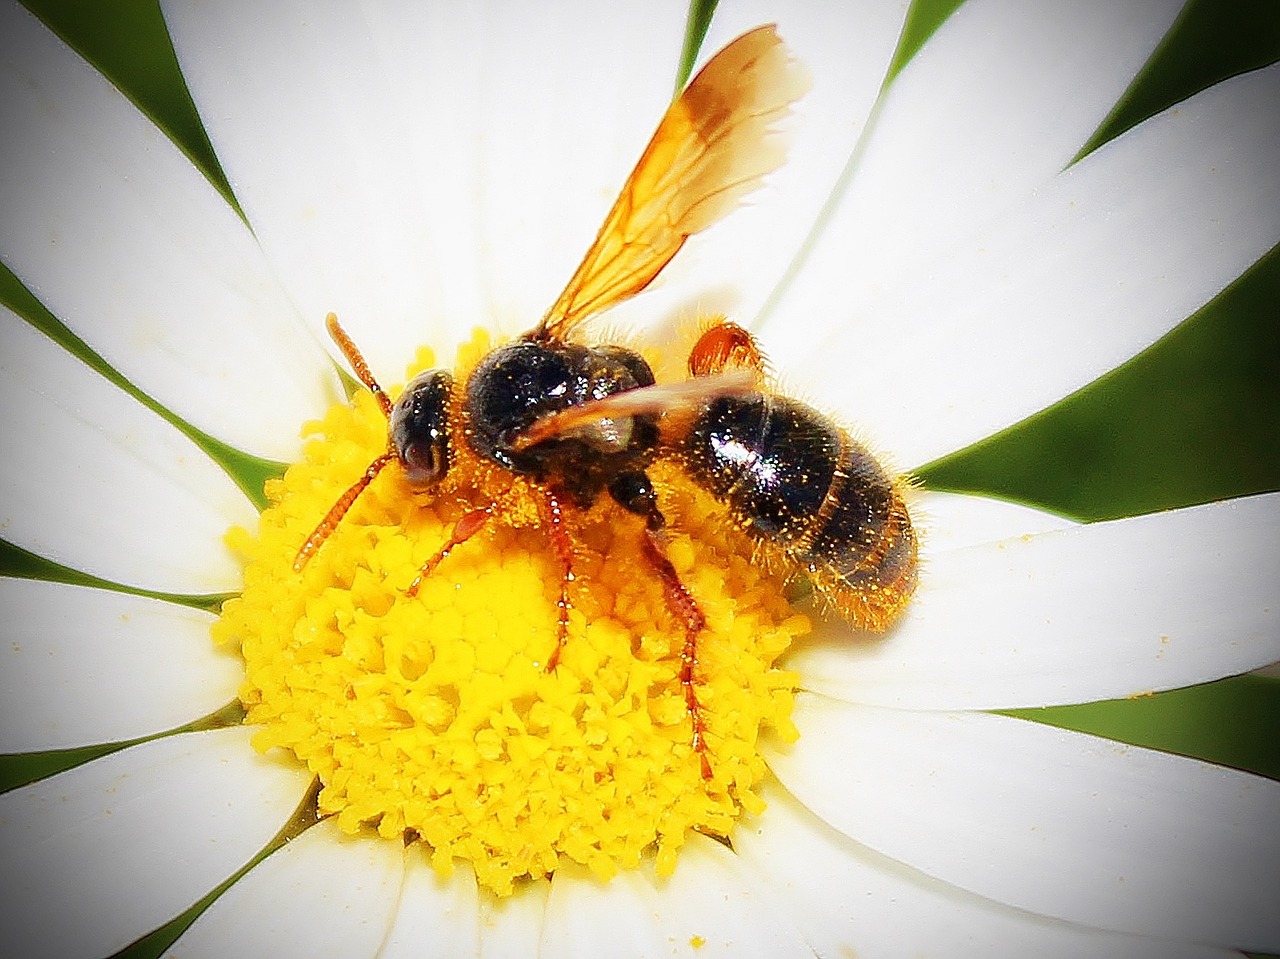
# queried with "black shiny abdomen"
point(525, 380)
point(862, 500)
point(790, 476)
point(770, 458)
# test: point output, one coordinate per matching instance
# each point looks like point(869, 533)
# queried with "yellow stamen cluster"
point(434, 717)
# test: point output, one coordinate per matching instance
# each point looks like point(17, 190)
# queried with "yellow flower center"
point(434, 718)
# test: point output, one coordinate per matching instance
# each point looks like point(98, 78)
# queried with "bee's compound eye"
point(420, 427)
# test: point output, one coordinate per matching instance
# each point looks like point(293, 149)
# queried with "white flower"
point(426, 171)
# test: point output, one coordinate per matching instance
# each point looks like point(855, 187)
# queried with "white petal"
point(998, 101)
point(424, 170)
point(85, 666)
point(1048, 820)
point(1101, 611)
point(1099, 263)
point(95, 481)
point(849, 900)
point(100, 855)
point(588, 918)
point(947, 521)
point(733, 268)
point(435, 917)
point(310, 131)
point(324, 894)
point(511, 927)
point(117, 233)
point(572, 92)
point(711, 906)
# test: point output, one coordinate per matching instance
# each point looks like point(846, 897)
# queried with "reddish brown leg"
point(553, 510)
point(337, 511)
point(685, 607)
point(470, 524)
point(474, 521)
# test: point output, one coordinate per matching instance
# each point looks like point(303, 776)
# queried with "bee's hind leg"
point(634, 492)
point(553, 513)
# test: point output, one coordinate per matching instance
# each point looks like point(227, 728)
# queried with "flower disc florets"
point(434, 716)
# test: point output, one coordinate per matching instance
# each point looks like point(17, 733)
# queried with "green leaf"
point(1194, 418)
point(923, 18)
point(128, 42)
point(22, 768)
point(1231, 722)
point(23, 564)
point(1210, 41)
point(157, 942)
point(700, 13)
point(249, 472)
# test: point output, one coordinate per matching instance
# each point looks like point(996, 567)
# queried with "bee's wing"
point(711, 149)
point(662, 398)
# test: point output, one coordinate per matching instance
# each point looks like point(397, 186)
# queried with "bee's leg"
point(635, 493)
point(681, 602)
point(553, 512)
point(470, 524)
point(337, 511)
point(724, 347)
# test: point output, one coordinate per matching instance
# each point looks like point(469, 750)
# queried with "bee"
point(579, 422)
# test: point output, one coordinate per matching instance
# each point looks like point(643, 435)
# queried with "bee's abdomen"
point(772, 460)
point(794, 480)
point(862, 554)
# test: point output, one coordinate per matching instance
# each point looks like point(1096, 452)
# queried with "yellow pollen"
point(433, 718)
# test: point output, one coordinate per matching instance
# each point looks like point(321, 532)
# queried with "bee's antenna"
point(357, 361)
